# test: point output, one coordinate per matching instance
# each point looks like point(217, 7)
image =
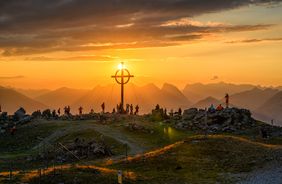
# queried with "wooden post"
point(11, 172)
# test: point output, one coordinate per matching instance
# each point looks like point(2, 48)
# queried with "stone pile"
point(226, 120)
point(83, 149)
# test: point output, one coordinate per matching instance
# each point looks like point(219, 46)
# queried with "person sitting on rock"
point(219, 108)
point(211, 108)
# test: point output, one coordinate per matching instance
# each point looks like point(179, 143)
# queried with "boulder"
point(189, 114)
point(19, 114)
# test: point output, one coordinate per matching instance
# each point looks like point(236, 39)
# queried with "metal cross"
point(122, 77)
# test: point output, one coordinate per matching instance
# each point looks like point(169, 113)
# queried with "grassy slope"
point(200, 161)
point(197, 160)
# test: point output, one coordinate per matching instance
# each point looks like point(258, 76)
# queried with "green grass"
point(199, 161)
point(26, 137)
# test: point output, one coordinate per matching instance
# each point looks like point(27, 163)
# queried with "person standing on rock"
point(227, 100)
point(131, 109)
point(59, 111)
point(103, 107)
point(80, 110)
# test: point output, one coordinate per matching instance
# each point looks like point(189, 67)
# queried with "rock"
point(226, 120)
point(189, 114)
point(19, 114)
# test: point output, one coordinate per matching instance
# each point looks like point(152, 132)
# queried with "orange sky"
point(232, 45)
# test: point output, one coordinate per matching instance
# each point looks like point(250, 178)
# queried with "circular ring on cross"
point(126, 75)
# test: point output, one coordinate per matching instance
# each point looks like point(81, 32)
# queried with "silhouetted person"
point(66, 110)
point(136, 110)
point(272, 121)
point(92, 111)
point(131, 109)
point(114, 111)
point(171, 113)
point(179, 111)
point(227, 100)
point(59, 111)
point(69, 110)
point(165, 112)
point(80, 110)
point(157, 107)
point(103, 107)
point(127, 108)
point(54, 113)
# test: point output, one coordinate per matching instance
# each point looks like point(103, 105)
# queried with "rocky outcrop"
point(226, 120)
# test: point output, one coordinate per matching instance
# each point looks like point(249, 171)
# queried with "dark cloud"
point(38, 26)
point(11, 77)
point(255, 40)
point(215, 77)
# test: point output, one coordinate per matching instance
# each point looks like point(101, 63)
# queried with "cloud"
point(255, 40)
point(82, 25)
point(11, 77)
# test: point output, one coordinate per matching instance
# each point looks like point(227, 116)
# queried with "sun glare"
point(121, 66)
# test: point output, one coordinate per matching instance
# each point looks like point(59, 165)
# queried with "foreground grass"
point(200, 161)
point(195, 160)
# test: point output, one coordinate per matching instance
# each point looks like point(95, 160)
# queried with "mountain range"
point(265, 103)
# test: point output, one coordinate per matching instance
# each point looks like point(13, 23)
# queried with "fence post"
point(11, 172)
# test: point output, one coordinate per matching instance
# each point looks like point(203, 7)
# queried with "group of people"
point(219, 107)
point(129, 109)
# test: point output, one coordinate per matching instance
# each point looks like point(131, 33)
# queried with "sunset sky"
point(79, 43)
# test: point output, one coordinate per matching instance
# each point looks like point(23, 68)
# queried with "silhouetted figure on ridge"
point(131, 109)
point(227, 100)
point(80, 110)
point(54, 113)
point(179, 111)
point(103, 107)
point(157, 107)
point(59, 111)
point(136, 110)
point(127, 108)
point(67, 110)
